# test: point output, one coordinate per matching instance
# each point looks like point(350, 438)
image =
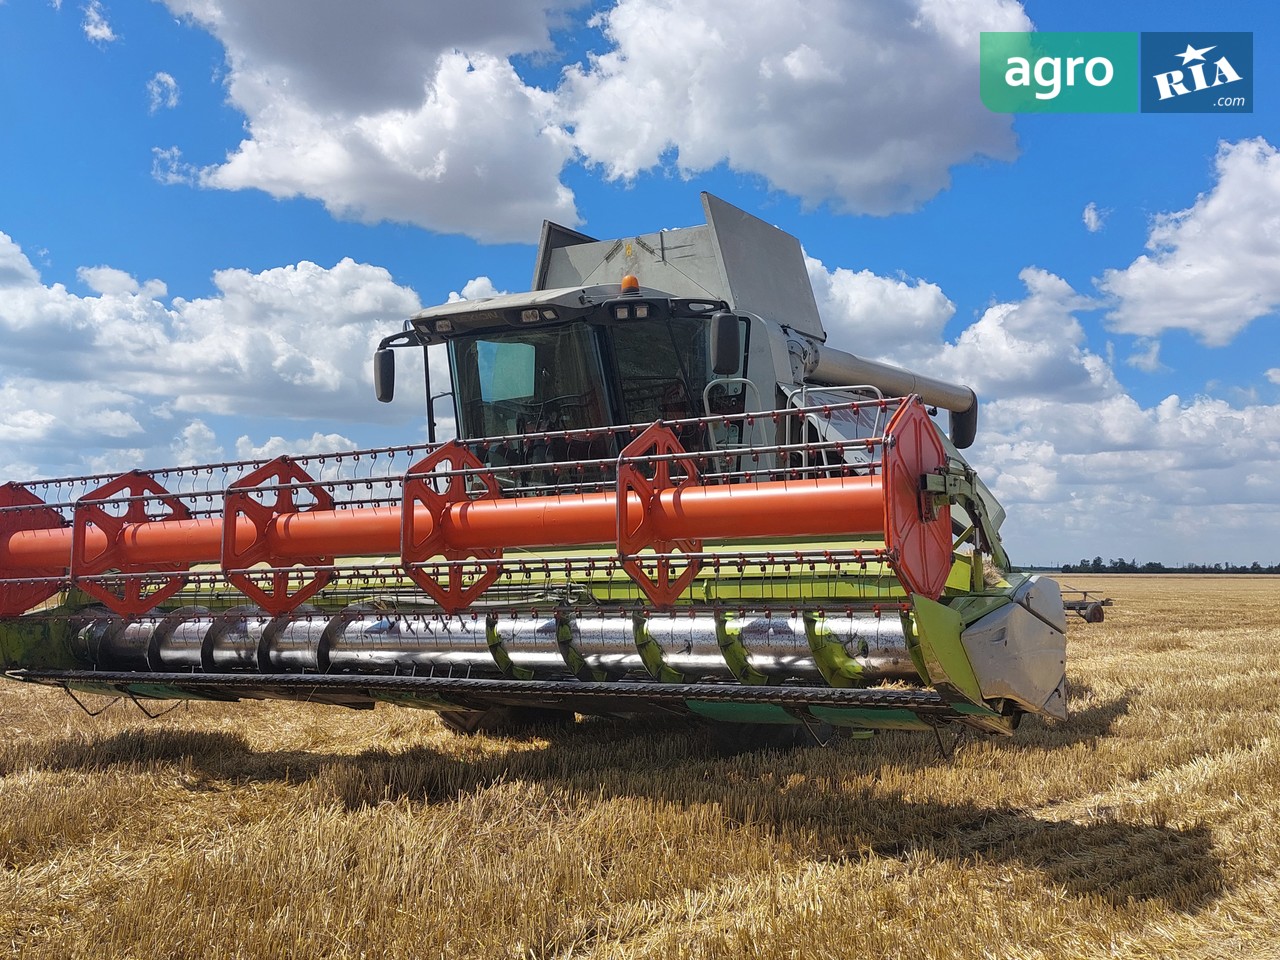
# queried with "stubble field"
point(1146, 826)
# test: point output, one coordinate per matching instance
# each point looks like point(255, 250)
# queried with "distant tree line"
point(1098, 565)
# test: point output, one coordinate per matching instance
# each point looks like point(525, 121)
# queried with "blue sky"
point(212, 209)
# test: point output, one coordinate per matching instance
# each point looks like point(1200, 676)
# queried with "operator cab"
point(537, 370)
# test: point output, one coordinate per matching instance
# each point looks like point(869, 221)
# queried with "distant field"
point(1146, 826)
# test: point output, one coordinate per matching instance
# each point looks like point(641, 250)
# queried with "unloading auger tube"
point(750, 585)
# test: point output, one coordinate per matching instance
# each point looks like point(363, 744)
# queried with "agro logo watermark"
point(1060, 72)
point(1117, 72)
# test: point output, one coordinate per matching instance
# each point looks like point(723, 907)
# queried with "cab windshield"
point(528, 381)
point(538, 380)
point(661, 369)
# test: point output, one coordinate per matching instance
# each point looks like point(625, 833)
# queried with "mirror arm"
point(384, 363)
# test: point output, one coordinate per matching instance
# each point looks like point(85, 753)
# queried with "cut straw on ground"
point(1148, 825)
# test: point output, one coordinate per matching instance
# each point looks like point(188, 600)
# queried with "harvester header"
point(666, 494)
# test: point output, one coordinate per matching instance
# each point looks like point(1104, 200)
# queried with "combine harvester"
point(668, 495)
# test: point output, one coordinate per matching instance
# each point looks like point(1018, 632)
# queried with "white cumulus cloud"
point(109, 282)
point(162, 91)
point(417, 113)
point(277, 446)
point(866, 106)
point(478, 288)
point(1034, 347)
point(896, 318)
point(1093, 217)
point(168, 167)
point(1211, 268)
point(1119, 479)
point(95, 25)
point(1146, 356)
point(393, 111)
point(197, 443)
point(101, 377)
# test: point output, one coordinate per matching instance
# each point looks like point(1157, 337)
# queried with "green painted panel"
point(973, 710)
point(960, 579)
point(938, 630)
point(974, 608)
point(741, 712)
point(40, 642)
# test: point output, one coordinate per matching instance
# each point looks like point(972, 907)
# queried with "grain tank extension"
point(667, 494)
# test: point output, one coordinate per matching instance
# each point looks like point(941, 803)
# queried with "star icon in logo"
point(1191, 53)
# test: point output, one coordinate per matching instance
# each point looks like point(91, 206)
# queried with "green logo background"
point(1118, 95)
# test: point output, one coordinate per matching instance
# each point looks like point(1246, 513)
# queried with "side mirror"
point(726, 343)
point(384, 374)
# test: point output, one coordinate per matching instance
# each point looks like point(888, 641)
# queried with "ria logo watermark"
point(1117, 72)
point(1197, 73)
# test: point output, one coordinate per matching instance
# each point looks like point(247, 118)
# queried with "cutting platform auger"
point(667, 495)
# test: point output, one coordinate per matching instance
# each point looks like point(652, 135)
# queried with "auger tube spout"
point(826, 364)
